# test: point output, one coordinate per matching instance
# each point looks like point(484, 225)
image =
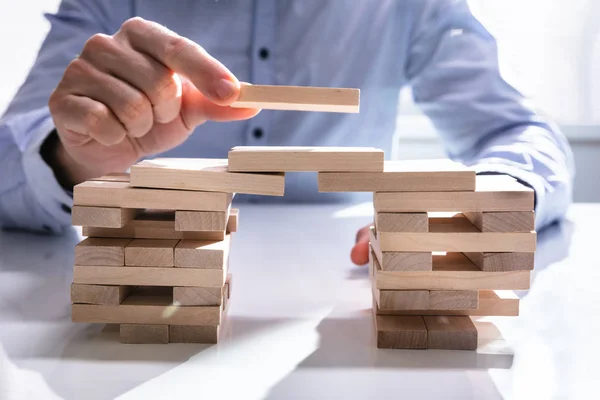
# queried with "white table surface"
point(299, 324)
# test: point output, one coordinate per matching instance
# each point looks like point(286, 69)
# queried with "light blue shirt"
point(435, 46)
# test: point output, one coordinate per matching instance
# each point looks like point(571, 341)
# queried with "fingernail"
point(225, 89)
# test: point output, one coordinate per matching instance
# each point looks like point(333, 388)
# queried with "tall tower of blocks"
point(445, 245)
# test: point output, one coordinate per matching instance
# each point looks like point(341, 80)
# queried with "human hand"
point(360, 252)
point(138, 92)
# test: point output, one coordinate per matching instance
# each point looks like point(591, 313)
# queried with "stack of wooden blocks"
point(155, 260)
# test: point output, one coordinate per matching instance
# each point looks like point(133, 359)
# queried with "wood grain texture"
point(453, 271)
point(492, 193)
point(203, 174)
point(103, 217)
point(202, 254)
point(451, 333)
point(402, 222)
point(298, 98)
point(198, 221)
point(515, 221)
point(150, 253)
point(98, 294)
point(453, 299)
point(161, 225)
point(402, 299)
point(498, 262)
point(441, 175)
point(198, 296)
point(491, 303)
point(400, 261)
point(143, 334)
point(120, 194)
point(148, 276)
point(304, 159)
point(146, 309)
point(101, 251)
point(208, 334)
point(400, 332)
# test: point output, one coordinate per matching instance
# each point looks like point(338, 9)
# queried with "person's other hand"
point(138, 92)
point(360, 252)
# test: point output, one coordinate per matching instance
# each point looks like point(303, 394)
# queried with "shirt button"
point(258, 133)
point(263, 53)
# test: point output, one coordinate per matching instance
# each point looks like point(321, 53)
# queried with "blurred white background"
point(550, 51)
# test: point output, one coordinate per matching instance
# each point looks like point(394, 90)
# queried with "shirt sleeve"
point(483, 122)
point(30, 196)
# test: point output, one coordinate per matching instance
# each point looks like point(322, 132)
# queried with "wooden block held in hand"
point(202, 254)
point(499, 262)
point(101, 251)
point(150, 253)
point(298, 98)
point(403, 176)
point(515, 221)
point(304, 159)
point(402, 222)
point(203, 174)
point(453, 299)
point(201, 220)
point(400, 332)
point(99, 294)
point(451, 332)
point(144, 334)
point(103, 217)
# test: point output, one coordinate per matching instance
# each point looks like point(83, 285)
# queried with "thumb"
point(360, 252)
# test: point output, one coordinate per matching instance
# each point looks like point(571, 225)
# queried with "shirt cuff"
point(41, 179)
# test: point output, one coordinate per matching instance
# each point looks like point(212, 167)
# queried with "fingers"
point(360, 252)
point(160, 85)
point(82, 118)
point(131, 106)
point(182, 56)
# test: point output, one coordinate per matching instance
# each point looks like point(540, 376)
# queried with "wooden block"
point(451, 333)
point(148, 276)
point(497, 262)
point(161, 225)
point(299, 98)
point(104, 217)
point(304, 159)
point(150, 253)
point(99, 294)
point(402, 299)
point(101, 251)
point(198, 296)
point(400, 332)
point(120, 194)
point(403, 176)
point(194, 334)
point(491, 303)
point(492, 193)
point(199, 221)
point(146, 309)
point(203, 174)
point(515, 221)
point(453, 299)
point(456, 235)
point(402, 222)
point(400, 261)
point(453, 271)
point(143, 334)
point(202, 254)
point(113, 177)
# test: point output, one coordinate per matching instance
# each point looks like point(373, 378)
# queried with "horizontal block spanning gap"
point(147, 309)
point(161, 225)
point(453, 271)
point(441, 175)
point(203, 174)
point(493, 193)
point(299, 98)
point(304, 159)
point(491, 303)
point(149, 276)
point(121, 194)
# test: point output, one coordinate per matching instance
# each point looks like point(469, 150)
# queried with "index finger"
point(185, 57)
